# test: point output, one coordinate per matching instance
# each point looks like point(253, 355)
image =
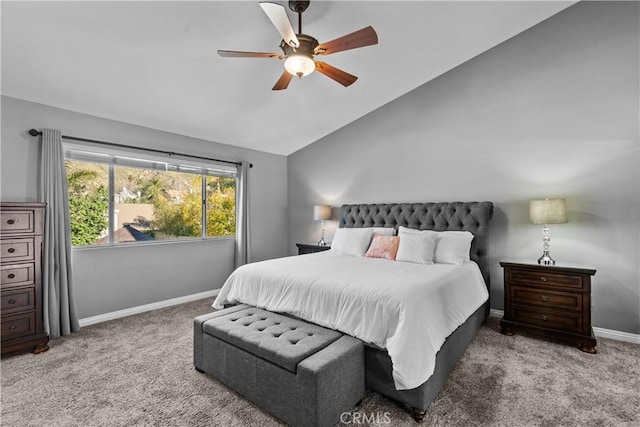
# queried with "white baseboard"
point(496, 313)
point(147, 307)
point(599, 332)
point(617, 335)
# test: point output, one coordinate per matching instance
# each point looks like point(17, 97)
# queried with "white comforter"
point(409, 309)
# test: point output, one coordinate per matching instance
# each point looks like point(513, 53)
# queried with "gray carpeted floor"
point(139, 371)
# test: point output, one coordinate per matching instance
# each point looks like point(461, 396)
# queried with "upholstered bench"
point(302, 373)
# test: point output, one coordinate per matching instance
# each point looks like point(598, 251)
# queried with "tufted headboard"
point(454, 216)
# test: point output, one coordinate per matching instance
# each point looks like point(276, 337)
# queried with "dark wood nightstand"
point(552, 301)
point(309, 248)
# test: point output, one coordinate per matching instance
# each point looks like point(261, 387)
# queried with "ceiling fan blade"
point(361, 38)
point(342, 77)
point(280, 20)
point(283, 81)
point(238, 54)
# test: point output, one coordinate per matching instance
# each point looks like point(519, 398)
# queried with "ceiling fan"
point(300, 49)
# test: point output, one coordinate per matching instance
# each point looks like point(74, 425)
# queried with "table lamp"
point(321, 212)
point(547, 211)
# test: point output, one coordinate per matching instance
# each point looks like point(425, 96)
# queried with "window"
point(120, 198)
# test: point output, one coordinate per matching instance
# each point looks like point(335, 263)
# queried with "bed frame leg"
point(418, 414)
point(199, 370)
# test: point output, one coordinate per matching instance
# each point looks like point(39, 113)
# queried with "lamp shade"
point(299, 65)
point(321, 212)
point(548, 211)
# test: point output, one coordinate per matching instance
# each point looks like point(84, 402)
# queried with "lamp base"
point(322, 242)
point(546, 260)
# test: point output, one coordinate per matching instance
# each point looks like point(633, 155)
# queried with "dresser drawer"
point(17, 250)
point(546, 298)
point(545, 279)
point(18, 274)
point(15, 300)
point(13, 222)
point(565, 321)
point(18, 325)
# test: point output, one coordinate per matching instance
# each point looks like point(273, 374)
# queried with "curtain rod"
point(34, 132)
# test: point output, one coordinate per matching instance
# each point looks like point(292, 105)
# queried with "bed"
point(391, 349)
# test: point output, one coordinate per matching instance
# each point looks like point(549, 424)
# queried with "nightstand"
point(309, 248)
point(552, 301)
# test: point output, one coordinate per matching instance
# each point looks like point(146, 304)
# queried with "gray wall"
point(552, 112)
point(116, 278)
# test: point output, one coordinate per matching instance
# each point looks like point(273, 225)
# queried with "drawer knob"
point(12, 328)
point(11, 301)
point(544, 317)
point(11, 221)
point(11, 250)
point(544, 279)
point(544, 298)
point(11, 275)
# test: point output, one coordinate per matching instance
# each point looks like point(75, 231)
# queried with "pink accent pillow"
point(383, 247)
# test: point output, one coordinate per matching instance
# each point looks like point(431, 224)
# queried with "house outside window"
point(123, 198)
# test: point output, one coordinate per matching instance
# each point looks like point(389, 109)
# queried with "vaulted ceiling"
point(154, 63)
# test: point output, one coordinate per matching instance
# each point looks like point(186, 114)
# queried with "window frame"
point(137, 158)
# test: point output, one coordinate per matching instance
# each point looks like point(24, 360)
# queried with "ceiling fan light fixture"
point(299, 65)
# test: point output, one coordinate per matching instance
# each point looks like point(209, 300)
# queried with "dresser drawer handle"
point(544, 317)
point(11, 221)
point(11, 275)
point(544, 279)
point(12, 328)
point(11, 301)
point(11, 250)
point(544, 298)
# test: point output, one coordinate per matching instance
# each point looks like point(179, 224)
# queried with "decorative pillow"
point(453, 247)
point(416, 247)
point(351, 241)
point(383, 247)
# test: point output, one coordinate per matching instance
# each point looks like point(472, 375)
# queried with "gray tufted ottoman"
point(302, 373)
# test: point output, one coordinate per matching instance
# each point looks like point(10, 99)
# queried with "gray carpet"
point(139, 371)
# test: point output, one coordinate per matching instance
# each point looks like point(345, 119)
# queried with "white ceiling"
point(154, 63)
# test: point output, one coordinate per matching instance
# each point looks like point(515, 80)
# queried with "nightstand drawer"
point(546, 279)
point(546, 298)
point(18, 300)
point(19, 325)
point(17, 250)
point(18, 274)
point(565, 321)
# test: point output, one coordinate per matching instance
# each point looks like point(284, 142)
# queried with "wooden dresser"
point(21, 233)
point(552, 301)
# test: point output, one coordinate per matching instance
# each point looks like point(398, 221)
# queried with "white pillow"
point(385, 231)
point(416, 247)
point(352, 241)
point(452, 247)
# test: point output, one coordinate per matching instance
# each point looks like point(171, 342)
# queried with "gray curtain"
point(59, 307)
point(242, 216)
